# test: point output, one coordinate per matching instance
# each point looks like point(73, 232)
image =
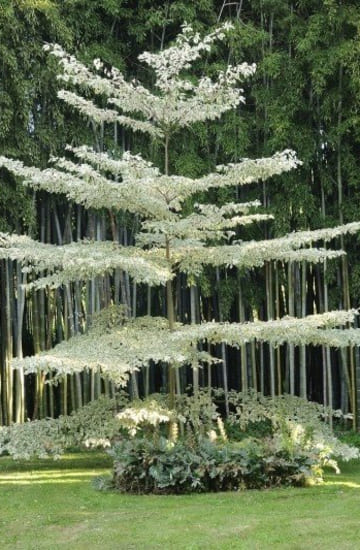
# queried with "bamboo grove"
point(274, 277)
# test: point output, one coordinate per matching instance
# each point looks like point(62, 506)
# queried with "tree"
point(171, 241)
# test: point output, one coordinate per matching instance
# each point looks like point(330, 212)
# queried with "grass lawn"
point(51, 505)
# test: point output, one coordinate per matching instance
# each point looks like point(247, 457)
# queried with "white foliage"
point(179, 103)
point(82, 260)
point(96, 180)
point(149, 413)
point(142, 189)
point(119, 347)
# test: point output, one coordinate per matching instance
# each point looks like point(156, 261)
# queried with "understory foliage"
point(269, 442)
point(265, 442)
point(147, 466)
point(93, 425)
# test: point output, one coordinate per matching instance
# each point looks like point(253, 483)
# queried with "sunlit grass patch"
point(47, 505)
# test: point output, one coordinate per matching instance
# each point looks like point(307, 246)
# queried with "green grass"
point(51, 505)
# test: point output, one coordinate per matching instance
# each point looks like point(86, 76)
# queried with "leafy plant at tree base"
point(292, 447)
point(144, 466)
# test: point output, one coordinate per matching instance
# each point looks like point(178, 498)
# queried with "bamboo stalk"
point(193, 322)
point(243, 357)
point(19, 376)
point(303, 378)
point(277, 314)
point(291, 347)
point(8, 409)
point(328, 358)
point(223, 355)
point(269, 308)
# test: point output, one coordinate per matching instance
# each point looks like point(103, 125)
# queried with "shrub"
point(273, 441)
point(296, 422)
point(41, 438)
point(94, 425)
point(142, 465)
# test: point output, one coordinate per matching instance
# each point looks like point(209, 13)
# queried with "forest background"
point(304, 95)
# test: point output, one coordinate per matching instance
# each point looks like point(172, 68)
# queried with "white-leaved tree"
point(169, 242)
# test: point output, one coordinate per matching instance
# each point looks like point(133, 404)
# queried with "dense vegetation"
point(265, 441)
point(304, 95)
